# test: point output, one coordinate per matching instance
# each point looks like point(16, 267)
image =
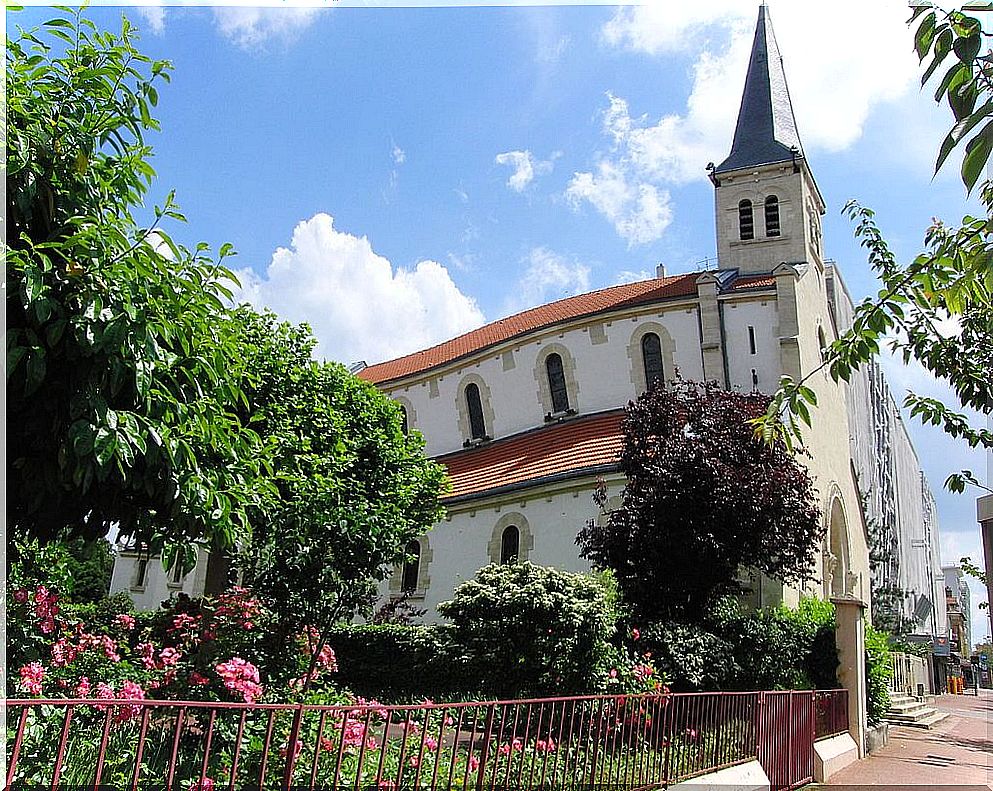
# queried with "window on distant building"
point(411, 567)
point(651, 355)
point(510, 545)
point(746, 223)
point(772, 216)
point(822, 343)
point(556, 383)
point(477, 424)
point(403, 419)
point(751, 340)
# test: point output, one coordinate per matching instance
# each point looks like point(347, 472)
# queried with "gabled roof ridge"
point(530, 320)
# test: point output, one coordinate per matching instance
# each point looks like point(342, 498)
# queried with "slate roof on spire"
point(766, 128)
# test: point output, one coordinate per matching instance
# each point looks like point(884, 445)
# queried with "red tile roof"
point(562, 449)
point(753, 281)
point(614, 298)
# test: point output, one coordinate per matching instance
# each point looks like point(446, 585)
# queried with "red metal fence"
point(630, 741)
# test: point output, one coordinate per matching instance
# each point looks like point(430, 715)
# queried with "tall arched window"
point(556, 383)
point(746, 223)
point(772, 216)
point(477, 425)
point(651, 354)
point(404, 424)
point(822, 343)
point(510, 545)
point(411, 567)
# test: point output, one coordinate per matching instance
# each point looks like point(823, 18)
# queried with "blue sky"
point(420, 171)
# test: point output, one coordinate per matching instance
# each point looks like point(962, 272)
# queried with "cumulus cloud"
point(639, 211)
point(549, 276)
point(525, 167)
point(253, 28)
point(860, 56)
point(398, 154)
point(359, 305)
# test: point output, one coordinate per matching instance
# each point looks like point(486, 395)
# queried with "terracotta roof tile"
point(560, 449)
point(753, 281)
point(614, 298)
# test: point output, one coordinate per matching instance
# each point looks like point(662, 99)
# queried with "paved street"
point(958, 752)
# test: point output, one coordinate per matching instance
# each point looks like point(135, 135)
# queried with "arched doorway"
point(837, 558)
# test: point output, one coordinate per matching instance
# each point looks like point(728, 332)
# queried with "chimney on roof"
point(660, 270)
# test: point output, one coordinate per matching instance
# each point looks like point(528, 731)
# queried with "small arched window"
point(411, 567)
point(746, 223)
point(822, 343)
point(404, 420)
point(651, 354)
point(477, 424)
point(510, 545)
point(772, 216)
point(556, 383)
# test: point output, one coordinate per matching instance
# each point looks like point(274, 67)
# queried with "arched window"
point(477, 425)
point(822, 343)
point(510, 545)
point(651, 354)
point(556, 383)
point(772, 216)
point(746, 223)
point(404, 425)
point(411, 567)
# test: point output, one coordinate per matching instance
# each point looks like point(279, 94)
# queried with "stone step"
point(924, 723)
point(924, 718)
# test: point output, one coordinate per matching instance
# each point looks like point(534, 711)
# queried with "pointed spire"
point(766, 130)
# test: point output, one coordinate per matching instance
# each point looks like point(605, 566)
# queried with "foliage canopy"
point(704, 500)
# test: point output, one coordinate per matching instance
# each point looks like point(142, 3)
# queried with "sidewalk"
point(957, 752)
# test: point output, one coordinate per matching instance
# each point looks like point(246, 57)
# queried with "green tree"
point(352, 488)
point(123, 375)
point(936, 309)
point(704, 501)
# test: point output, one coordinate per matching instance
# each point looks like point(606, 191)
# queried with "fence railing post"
point(291, 746)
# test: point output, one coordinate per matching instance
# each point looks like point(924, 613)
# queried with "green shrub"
point(878, 673)
point(532, 630)
point(399, 663)
point(773, 649)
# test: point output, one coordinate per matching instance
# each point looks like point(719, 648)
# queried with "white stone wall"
point(464, 542)
point(596, 354)
point(157, 587)
point(761, 315)
point(800, 209)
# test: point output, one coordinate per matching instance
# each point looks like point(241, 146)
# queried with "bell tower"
point(767, 204)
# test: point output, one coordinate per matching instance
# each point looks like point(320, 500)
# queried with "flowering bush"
point(190, 649)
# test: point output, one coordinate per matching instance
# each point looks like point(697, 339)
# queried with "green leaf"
point(977, 153)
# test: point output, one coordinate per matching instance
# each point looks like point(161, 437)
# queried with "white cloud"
point(640, 212)
point(629, 276)
point(154, 15)
point(549, 276)
point(860, 56)
point(398, 154)
point(253, 28)
point(359, 306)
point(525, 166)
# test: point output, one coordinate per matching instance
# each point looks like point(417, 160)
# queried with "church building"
point(525, 412)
